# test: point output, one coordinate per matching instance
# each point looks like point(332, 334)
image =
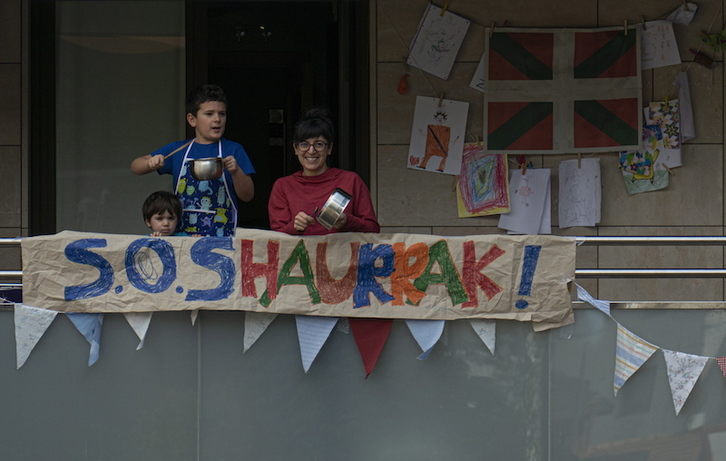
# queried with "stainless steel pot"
point(205, 169)
point(333, 208)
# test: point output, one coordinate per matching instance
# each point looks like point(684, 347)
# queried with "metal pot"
point(205, 169)
point(333, 208)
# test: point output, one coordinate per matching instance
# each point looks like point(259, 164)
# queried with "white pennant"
point(312, 332)
point(193, 316)
point(487, 331)
point(255, 324)
point(683, 372)
point(426, 333)
point(30, 325)
point(139, 321)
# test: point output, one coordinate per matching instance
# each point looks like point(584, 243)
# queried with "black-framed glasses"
point(317, 145)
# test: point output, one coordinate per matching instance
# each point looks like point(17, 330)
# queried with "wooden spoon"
point(178, 149)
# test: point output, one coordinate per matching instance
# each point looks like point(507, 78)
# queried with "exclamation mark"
point(531, 256)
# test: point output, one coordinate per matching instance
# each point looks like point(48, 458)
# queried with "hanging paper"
point(666, 115)
point(437, 41)
point(312, 332)
point(89, 325)
point(641, 163)
point(487, 332)
point(683, 15)
point(30, 325)
point(580, 192)
point(562, 90)
point(688, 128)
point(426, 333)
point(659, 46)
point(530, 202)
point(255, 324)
point(370, 337)
point(483, 187)
point(139, 322)
point(437, 136)
point(478, 81)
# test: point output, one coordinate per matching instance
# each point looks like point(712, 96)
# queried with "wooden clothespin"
point(441, 99)
point(625, 26)
point(642, 20)
point(579, 161)
point(446, 7)
point(524, 168)
point(685, 5)
point(491, 29)
point(668, 169)
point(403, 82)
point(478, 141)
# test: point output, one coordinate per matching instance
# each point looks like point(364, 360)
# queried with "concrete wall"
point(691, 205)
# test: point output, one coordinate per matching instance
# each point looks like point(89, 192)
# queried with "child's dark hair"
point(202, 94)
point(317, 121)
point(159, 202)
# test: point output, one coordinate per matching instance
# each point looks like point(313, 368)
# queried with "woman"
point(295, 199)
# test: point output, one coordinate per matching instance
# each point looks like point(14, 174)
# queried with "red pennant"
point(370, 336)
point(722, 365)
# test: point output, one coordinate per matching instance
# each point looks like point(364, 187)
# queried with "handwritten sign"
point(403, 276)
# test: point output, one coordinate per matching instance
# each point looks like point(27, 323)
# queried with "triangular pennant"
point(255, 324)
point(631, 352)
point(30, 324)
point(683, 372)
point(90, 327)
point(487, 331)
point(426, 333)
point(139, 321)
point(584, 296)
point(370, 336)
point(193, 316)
point(722, 365)
point(312, 332)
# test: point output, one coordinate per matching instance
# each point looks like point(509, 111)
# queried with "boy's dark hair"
point(159, 202)
point(317, 121)
point(202, 94)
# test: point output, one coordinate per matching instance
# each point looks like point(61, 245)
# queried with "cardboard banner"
point(400, 276)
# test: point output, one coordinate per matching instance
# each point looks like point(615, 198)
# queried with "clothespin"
point(446, 7)
point(685, 5)
point(579, 161)
point(642, 19)
point(403, 83)
point(478, 141)
point(491, 29)
point(524, 168)
point(625, 26)
point(668, 169)
point(441, 99)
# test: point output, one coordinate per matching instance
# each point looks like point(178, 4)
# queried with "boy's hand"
point(155, 162)
point(230, 164)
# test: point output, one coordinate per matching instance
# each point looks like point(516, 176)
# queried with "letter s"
point(77, 252)
point(201, 254)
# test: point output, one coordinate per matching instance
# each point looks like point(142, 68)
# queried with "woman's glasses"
point(317, 145)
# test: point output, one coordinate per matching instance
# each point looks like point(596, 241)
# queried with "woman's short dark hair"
point(159, 202)
point(202, 94)
point(317, 121)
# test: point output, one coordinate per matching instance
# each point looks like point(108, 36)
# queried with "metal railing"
point(16, 276)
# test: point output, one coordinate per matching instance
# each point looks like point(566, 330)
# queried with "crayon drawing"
point(483, 186)
point(437, 41)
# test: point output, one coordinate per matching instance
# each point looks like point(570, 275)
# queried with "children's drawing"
point(437, 136)
point(580, 192)
point(530, 202)
point(641, 163)
point(666, 115)
point(478, 81)
point(483, 188)
point(437, 41)
point(658, 45)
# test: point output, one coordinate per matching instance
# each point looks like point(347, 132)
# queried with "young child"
point(209, 207)
point(162, 211)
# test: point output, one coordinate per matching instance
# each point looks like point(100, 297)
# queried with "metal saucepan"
point(205, 169)
point(333, 208)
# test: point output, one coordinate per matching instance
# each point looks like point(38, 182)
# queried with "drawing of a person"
point(437, 142)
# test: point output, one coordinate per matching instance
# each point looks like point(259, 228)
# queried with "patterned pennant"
point(487, 331)
point(255, 324)
point(683, 372)
point(370, 336)
point(312, 332)
point(89, 325)
point(631, 352)
point(584, 296)
point(562, 90)
point(427, 333)
point(30, 325)
point(722, 365)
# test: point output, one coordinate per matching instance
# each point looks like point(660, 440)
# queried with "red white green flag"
point(563, 90)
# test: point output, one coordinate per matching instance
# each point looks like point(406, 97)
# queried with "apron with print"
point(209, 208)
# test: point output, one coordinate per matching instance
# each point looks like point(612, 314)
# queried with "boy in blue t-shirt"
point(209, 206)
